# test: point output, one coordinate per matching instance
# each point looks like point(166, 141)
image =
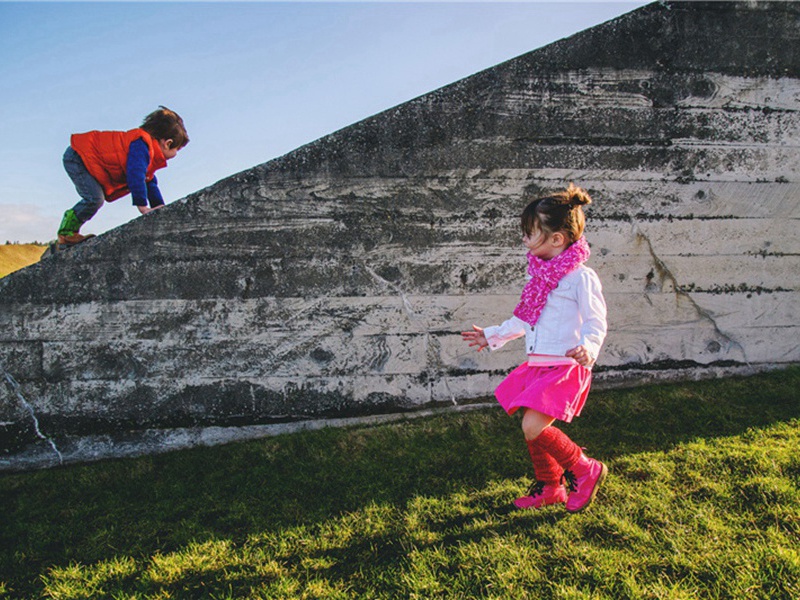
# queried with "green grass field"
point(14, 257)
point(702, 501)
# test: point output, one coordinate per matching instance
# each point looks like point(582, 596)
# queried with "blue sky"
point(251, 80)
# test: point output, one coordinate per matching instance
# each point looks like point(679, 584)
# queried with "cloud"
point(25, 223)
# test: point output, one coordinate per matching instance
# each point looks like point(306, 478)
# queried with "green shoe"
point(70, 225)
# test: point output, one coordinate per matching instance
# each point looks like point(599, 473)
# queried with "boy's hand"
point(475, 338)
point(581, 355)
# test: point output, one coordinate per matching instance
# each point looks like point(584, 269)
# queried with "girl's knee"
point(531, 432)
point(533, 423)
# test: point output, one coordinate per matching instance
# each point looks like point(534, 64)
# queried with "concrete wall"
point(332, 282)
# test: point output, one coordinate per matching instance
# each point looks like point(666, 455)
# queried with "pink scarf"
point(545, 275)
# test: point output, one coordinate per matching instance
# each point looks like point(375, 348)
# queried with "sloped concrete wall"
point(332, 282)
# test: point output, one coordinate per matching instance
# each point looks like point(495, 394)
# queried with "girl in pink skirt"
point(562, 315)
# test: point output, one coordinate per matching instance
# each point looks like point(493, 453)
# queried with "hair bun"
point(576, 196)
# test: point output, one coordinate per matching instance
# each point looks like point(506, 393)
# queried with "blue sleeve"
point(154, 194)
point(136, 171)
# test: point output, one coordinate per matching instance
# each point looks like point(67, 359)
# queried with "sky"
point(252, 80)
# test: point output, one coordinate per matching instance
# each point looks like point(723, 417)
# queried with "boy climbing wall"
point(106, 165)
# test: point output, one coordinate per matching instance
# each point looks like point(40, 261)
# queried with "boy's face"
point(167, 148)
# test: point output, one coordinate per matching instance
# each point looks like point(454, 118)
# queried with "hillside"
point(14, 257)
point(703, 502)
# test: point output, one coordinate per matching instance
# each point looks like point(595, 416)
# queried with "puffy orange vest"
point(105, 155)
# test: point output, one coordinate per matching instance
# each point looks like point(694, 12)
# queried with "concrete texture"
point(331, 283)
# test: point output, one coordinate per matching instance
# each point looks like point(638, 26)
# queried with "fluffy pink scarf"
point(545, 275)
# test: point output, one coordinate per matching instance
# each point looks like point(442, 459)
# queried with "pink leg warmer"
point(555, 442)
point(545, 467)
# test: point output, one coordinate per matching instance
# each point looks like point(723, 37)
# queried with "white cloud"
point(25, 223)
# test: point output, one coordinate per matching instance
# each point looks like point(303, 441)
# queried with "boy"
point(106, 165)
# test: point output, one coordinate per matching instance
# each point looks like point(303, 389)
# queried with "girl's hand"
point(581, 355)
point(475, 338)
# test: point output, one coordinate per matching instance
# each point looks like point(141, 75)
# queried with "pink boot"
point(587, 476)
point(541, 494)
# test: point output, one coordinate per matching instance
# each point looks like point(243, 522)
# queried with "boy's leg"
point(92, 198)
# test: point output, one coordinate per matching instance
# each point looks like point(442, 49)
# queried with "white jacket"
point(575, 314)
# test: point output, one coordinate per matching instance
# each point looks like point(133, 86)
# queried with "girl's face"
point(543, 245)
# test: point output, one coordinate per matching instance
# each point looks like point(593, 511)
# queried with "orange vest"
point(105, 155)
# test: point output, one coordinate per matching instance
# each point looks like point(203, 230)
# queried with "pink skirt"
point(557, 391)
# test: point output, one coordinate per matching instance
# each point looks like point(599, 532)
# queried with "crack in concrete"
point(433, 350)
point(664, 272)
point(447, 387)
point(15, 389)
point(434, 354)
point(406, 303)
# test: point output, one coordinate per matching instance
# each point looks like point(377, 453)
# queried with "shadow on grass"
point(156, 505)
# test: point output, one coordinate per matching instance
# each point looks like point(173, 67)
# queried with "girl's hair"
point(166, 124)
point(559, 212)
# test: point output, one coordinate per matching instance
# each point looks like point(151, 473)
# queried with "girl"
point(562, 315)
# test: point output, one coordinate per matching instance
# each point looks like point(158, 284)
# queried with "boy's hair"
point(166, 124)
point(559, 212)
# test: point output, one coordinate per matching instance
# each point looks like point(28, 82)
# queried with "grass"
point(702, 501)
point(14, 257)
